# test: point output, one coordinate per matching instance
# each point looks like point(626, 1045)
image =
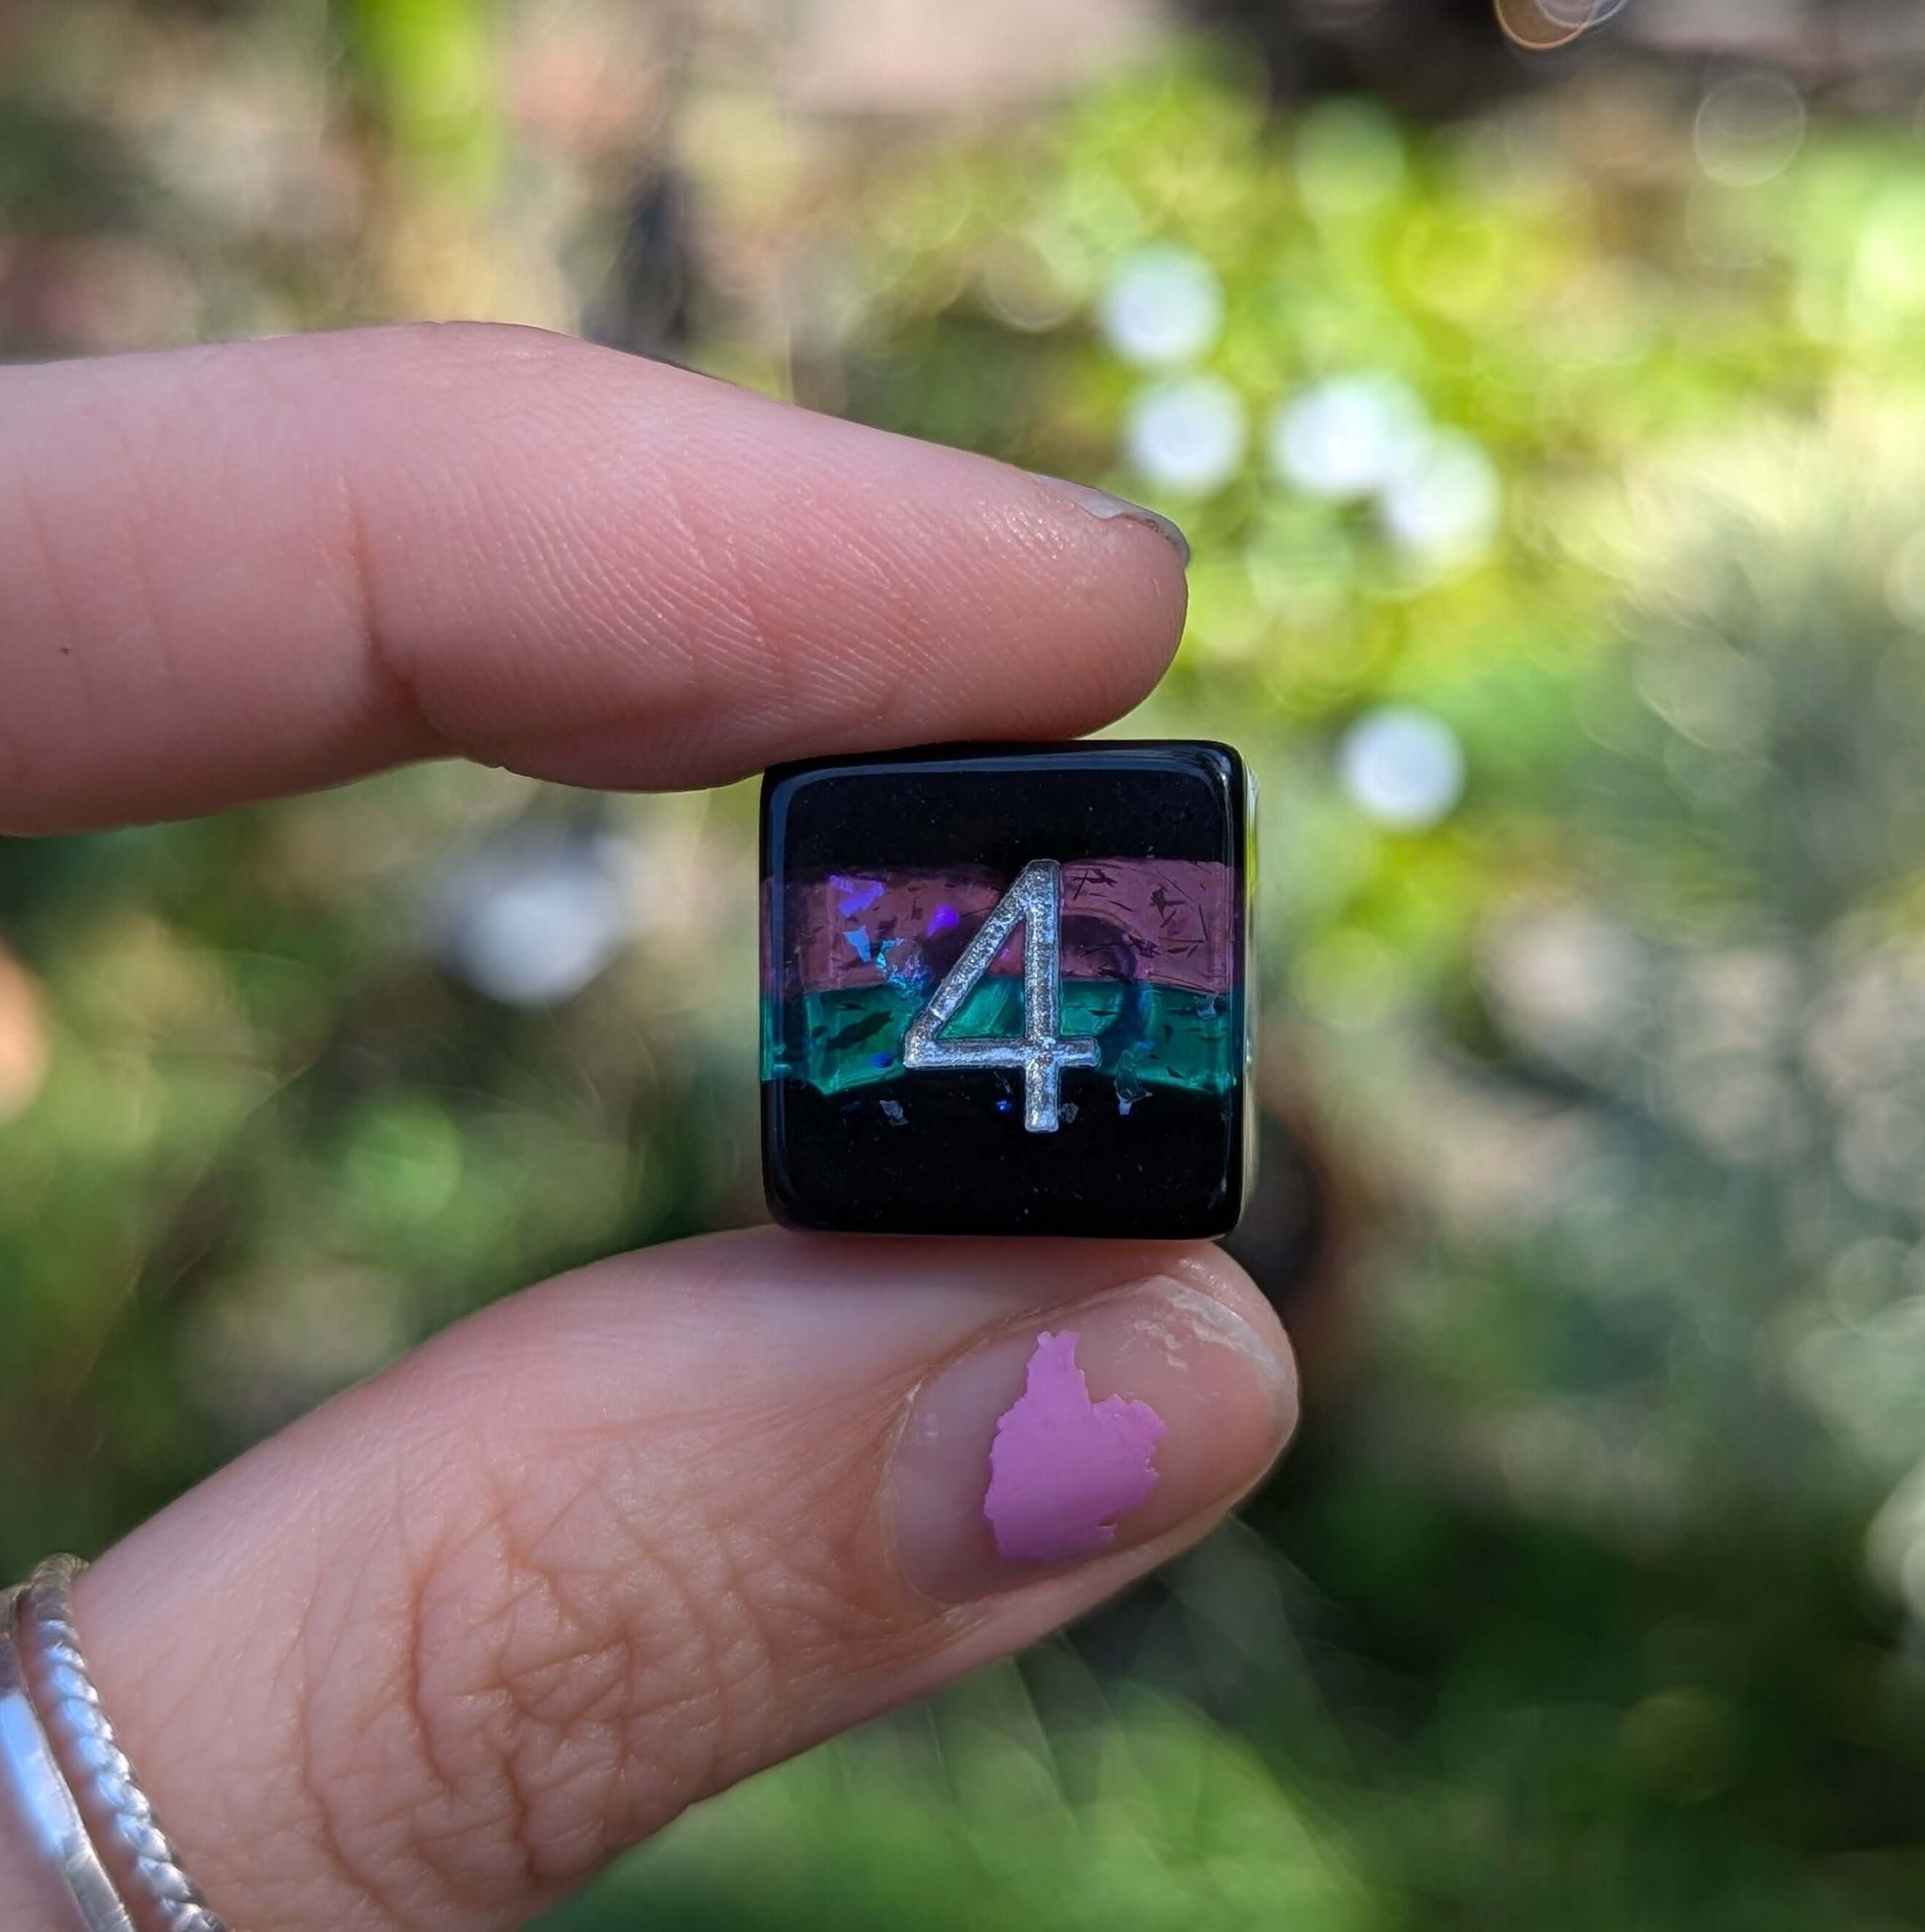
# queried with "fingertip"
point(1100, 1429)
point(1140, 561)
point(1206, 1268)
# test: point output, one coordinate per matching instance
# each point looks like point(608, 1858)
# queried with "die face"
point(1004, 990)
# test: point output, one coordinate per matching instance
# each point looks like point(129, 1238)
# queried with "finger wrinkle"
point(353, 1873)
point(388, 668)
point(503, 1814)
point(719, 583)
point(530, 1640)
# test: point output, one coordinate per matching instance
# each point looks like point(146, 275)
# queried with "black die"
point(1004, 990)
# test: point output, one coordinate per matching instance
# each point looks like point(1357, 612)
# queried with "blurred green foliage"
point(1590, 1598)
point(1627, 1034)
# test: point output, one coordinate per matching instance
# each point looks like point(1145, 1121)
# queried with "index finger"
point(263, 566)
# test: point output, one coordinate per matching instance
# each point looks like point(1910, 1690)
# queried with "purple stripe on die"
point(1170, 923)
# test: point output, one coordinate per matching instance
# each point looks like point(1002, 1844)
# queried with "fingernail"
point(1099, 1430)
point(1101, 504)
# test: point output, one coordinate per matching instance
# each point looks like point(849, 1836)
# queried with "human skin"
point(438, 1651)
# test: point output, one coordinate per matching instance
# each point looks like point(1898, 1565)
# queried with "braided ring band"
point(159, 1896)
point(69, 1884)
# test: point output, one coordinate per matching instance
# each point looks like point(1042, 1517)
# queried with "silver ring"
point(67, 1870)
point(154, 1893)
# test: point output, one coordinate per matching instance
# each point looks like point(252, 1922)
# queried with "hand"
point(438, 1651)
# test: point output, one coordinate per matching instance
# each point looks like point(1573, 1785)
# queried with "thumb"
point(440, 1650)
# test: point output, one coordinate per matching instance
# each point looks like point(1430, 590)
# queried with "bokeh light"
point(1749, 128)
point(1187, 436)
point(1349, 437)
point(1162, 306)
point(1402, 767)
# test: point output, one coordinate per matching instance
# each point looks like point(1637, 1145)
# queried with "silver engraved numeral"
point(1034, 901)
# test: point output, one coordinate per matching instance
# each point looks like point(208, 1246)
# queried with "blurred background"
point(1542, 386)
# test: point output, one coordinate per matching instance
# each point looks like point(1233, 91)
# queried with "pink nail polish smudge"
point(1063, 1468)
